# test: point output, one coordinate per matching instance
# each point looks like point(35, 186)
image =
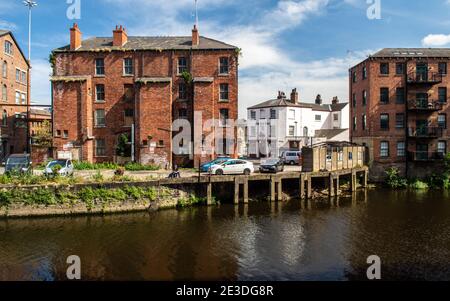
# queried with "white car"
point(233, 167)
point(66, 167)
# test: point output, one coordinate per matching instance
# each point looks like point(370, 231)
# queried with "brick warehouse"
point(14, 83)
point(399, 110)
point(102, 86)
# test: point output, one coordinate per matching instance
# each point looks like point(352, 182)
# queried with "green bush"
point(81, 165)
point(140, 167)
point(419, 185)
point(394, 180)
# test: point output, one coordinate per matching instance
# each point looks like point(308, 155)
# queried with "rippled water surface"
point(262, 241)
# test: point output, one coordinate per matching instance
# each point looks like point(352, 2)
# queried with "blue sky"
point(308, 44)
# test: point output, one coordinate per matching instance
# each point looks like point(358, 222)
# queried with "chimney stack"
point(318, 100)
point(294, 96)
point(335, 100)
point(281, 95)
point(75, 37)
point(195, 36)
point(120, 36)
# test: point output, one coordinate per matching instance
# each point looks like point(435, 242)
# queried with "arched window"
point(305, 131)
point(4, 93)
point(4, 118)
point(5, 69)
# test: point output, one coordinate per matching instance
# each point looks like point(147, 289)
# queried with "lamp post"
point(30, 4)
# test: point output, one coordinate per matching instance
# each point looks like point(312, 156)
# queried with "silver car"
point(66, 168)
point(291, 157)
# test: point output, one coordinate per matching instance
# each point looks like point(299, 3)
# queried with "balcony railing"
point(424, 105)
point(425, 156)
point(424, 78)
point(425, 132)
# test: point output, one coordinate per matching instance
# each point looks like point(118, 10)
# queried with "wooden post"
point(366, 174)
point(209, 193)
point(308, 187)
point(330, 185)
point(336, 190)
point(246, 191)
point(353, 181)
point(236, 191)
point(272, 189)
point(302, 186)
point(280, 190)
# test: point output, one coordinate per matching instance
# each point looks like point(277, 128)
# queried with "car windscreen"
point(271, 162)
point(54, 163)
point(17, 160)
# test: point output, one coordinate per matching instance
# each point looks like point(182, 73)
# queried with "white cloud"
point(435, 40)
point(8, 25)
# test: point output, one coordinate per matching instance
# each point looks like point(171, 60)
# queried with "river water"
point(409, 231)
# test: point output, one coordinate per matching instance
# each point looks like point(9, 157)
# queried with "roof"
point(412, 52)
point(329, 133)
point(284, 102)
point(40, 112)
point(5, 32)
point(149, 43)
point(335, 144)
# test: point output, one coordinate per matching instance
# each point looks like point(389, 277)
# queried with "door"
point(422, 100)
point(421, 127)
point(422, 72)
point(229, 167)
point(422, 151)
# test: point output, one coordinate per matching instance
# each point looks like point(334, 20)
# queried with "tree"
point(123, 148)
point(43, 136)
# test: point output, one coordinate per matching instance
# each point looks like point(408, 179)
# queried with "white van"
point(291, 157)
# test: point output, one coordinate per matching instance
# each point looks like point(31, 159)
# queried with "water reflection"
point(260, 241)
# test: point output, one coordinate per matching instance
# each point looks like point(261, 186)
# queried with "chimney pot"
point(318, 99)
point(294, 96)
point(335, 100)
point(120, 36)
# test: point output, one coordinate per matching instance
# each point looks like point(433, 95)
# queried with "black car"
point(272, 165)
point(20, 163)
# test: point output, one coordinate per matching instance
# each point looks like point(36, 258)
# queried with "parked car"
point(19, 163)
point(65, 170)
point(206, 166)
point(272, 165)
point(233, 167)
point(291, 157)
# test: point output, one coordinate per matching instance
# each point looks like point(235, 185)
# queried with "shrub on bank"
point(394, 180)
point(81, 165)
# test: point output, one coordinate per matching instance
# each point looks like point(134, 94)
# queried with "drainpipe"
point(406, 118)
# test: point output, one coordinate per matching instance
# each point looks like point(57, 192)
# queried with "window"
point(4, 93)
point(262, 114)
point(100, 93)
point(18, 98)
point(18, 75)
point(384, 122)
point(128, 94)
point(223, 65)
point(24, 77)
point(161, 143)
point(58, 133)
point(223, 117)
point(99, 67)
point(442, 121)
point(100, 147)
point(5, 69)
point(273, 114)
point(364, 72)
point(291, 114)
point(4, 118)
point(364, 122)
point(129, 113)
point(354, 100)
point(23, 98)
point(253, 115)
point(318, 118)
point(182, 93)
point(384, 149)
point(442, 94)
point(400, 68)
point(100, 118)
point(384, 95)
point(291, 130)
point(399, 121)
point(354, 123)
point(400, 95)
point(305, 131)
point(401, 151)
point(128, 66)
point(8, 48)
point(354, 77)
point(336, 117)
point(65, 134)
point(182, 65)
point(223, 92)
point(384, 68)
point(364, 98)
point(442, 147)
point(182, 113)
point(443, 68)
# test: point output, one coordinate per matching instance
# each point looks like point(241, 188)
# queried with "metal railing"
point(425, 132)
point(424, 105)
point(425, 156)
point(424, 77)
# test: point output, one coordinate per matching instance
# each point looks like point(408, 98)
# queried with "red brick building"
point(399, 109)
point(14, 96)
point(104, 86)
